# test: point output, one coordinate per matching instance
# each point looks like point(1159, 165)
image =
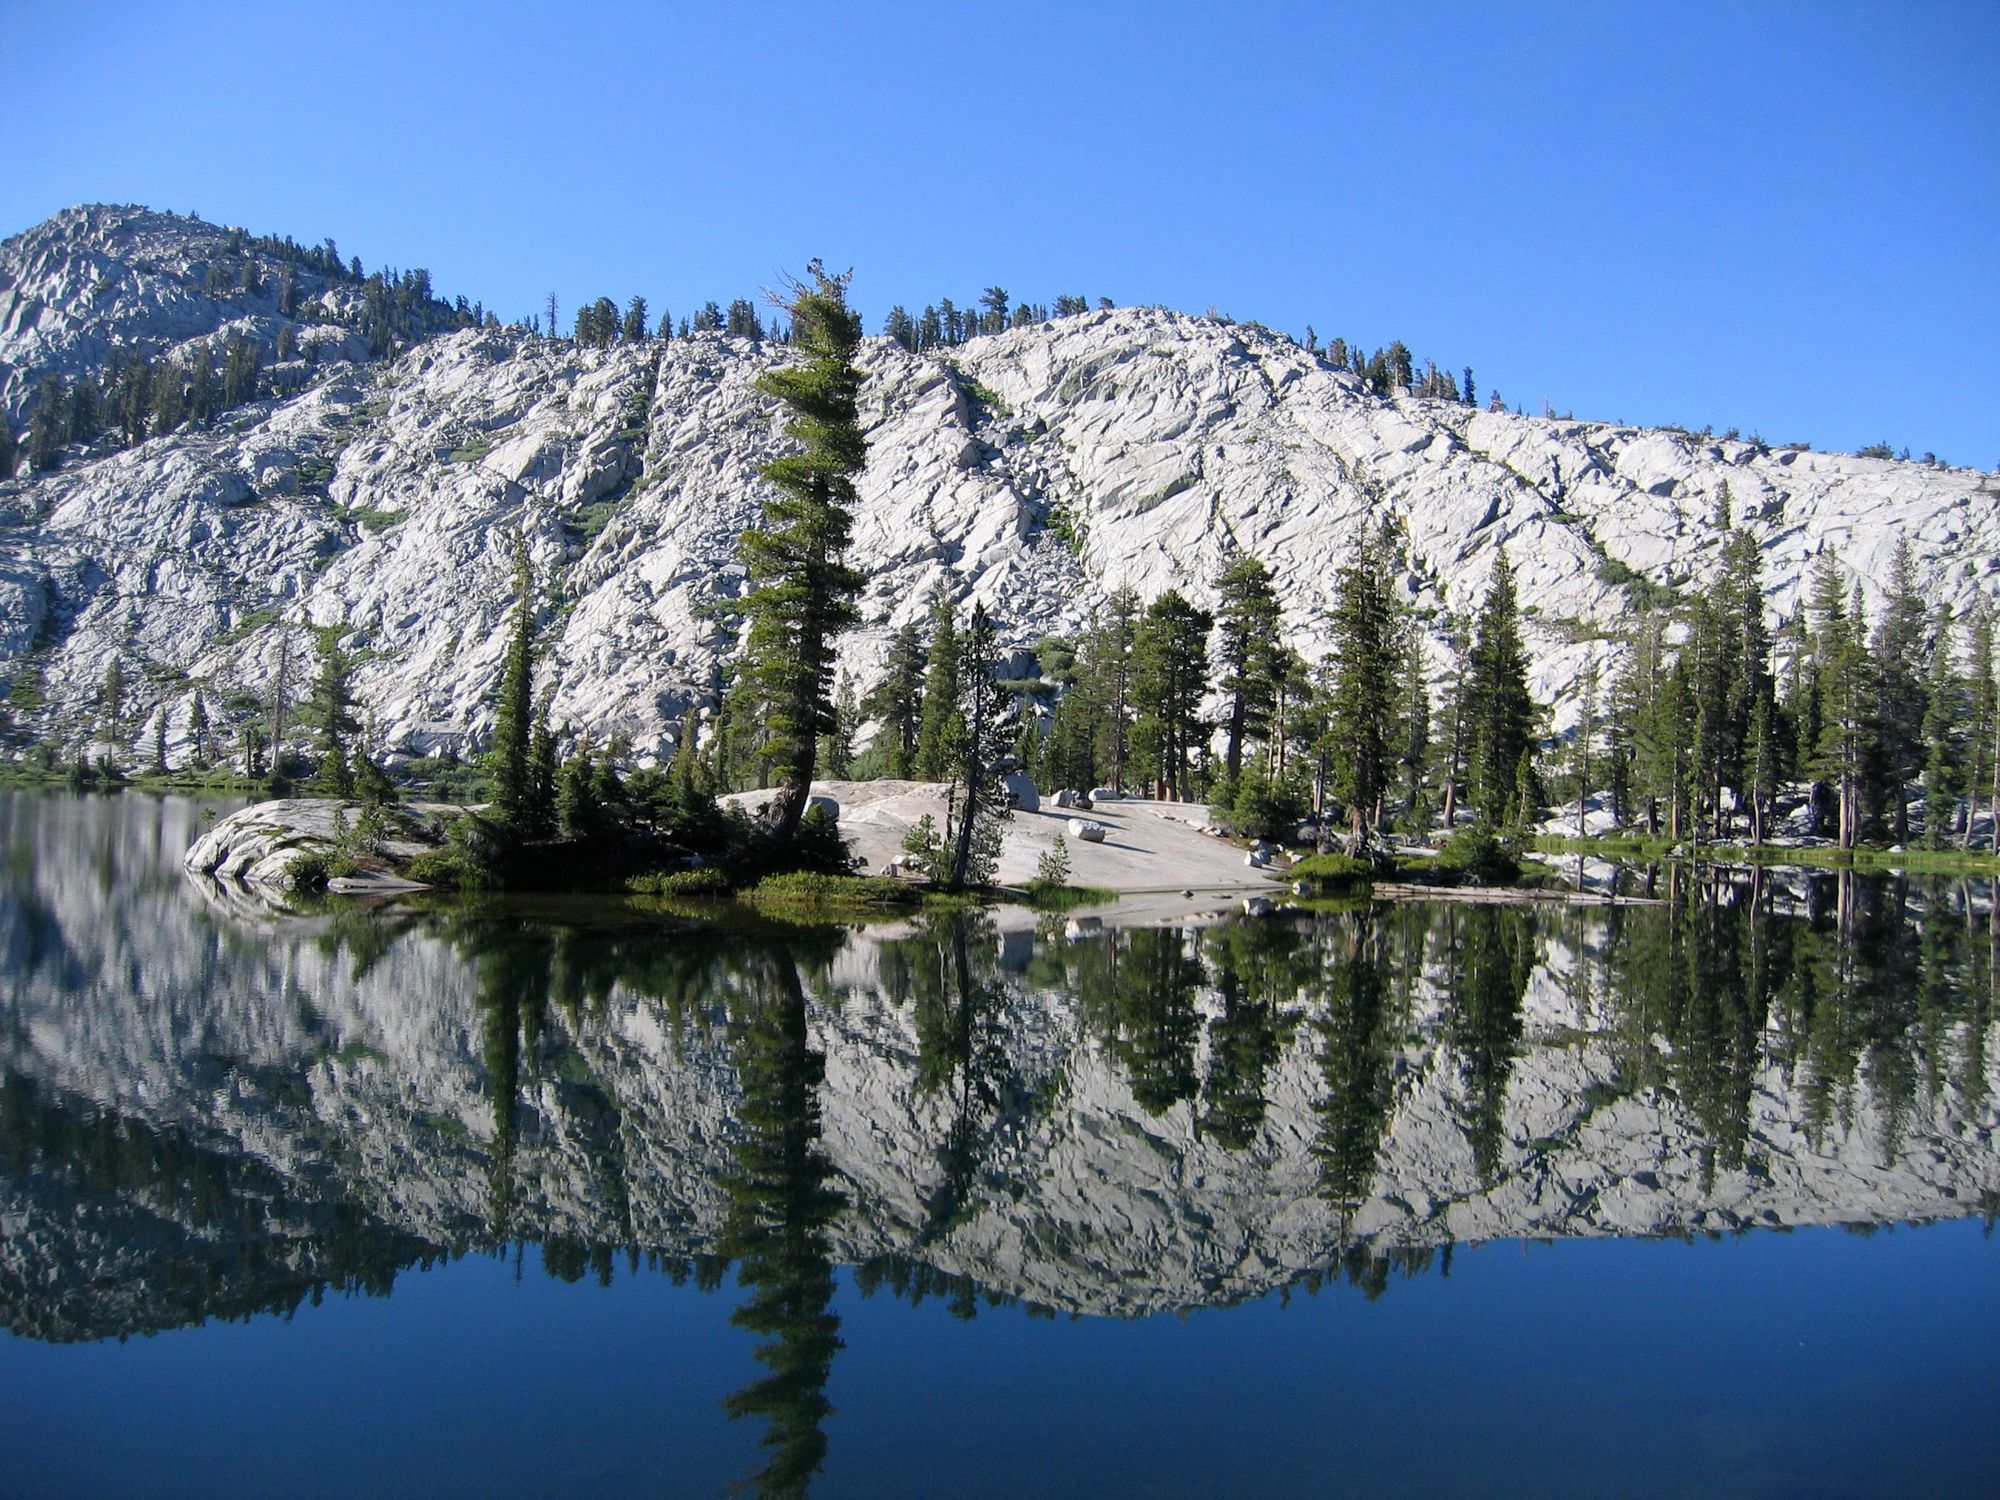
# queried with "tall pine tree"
point(803, 589)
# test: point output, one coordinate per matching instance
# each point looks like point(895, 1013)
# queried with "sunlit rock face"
point(1034, 470)
point(213, 1108)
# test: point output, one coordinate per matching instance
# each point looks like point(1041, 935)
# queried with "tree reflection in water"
point(781, 1204)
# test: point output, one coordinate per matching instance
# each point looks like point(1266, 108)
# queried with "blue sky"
point(1780, 218)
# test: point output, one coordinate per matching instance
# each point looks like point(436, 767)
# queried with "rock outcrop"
point(1033, 470)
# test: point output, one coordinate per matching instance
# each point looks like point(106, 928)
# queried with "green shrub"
point(311, 870)
point(1255, 807)
point(448, 869)
point(1480, 853)
point(1333, 869)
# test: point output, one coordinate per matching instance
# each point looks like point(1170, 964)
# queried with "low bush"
point(1333, 869)
point(1478, 852)
point(702, 882)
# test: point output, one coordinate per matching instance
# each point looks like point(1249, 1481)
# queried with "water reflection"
point(208, 1113)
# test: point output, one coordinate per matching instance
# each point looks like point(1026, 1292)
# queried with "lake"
point(577, 1197)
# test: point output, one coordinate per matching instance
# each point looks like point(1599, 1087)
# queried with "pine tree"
point(836, 750)
point(1899, 657)
point(634, 330)
point(981, 800)
point(1361, 714)
point(1500, 711)
point(1169, 677)
point(1249, 626)
point(1982, 722)
point(1846, 693)
point(941, 724)
point(509, 762)
point(198, 728)
point(111, 708)
point(1944, 716)
point(897, 702)
point(1455, 727)
point(540, 820)
point(803, 589)
point(1108, 666)
point(333, 717)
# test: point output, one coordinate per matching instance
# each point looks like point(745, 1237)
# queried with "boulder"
point(1021, 793)
point(1089, 831)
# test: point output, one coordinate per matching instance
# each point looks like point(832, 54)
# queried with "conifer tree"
point(897, 702)
point(540, 821)
point(1455, 727)
point(1414, 729)
point(634, 330)
point(1900, 711)
point(981, 800)
point(1108, 668)
point(333, 717)
point(1361, 714)
point(1169, 676)
point(198, 729)
point(510, 760)
point(1846, 696)
point(803, 590)
point(1981, 727)
point(1249, 626)
point(111, 708)
point(941, 723)
point(1501, 713)
point(837, 750)
point(1944, 716)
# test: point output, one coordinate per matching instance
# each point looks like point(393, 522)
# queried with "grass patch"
point(703, 882)
point(256, 620)
point(1333, 869)
point(804, 888)
point(1167, 492)
point(472, 451)
point(377, 520)
point(990, 400)
point(590, 520)
point(1046, 895)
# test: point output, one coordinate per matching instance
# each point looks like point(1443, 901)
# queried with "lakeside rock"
point(257, 845)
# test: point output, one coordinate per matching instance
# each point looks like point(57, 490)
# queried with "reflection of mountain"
point(207, 1117)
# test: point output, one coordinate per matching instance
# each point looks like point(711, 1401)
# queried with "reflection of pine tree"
point(1354, 1062)
point(513, 1003)
point(1137, 988)
point(1492, 952)
point(780, 1205)
point(959, 1053)
point(1260, 968)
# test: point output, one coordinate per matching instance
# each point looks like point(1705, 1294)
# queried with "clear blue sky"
point(1778, 217)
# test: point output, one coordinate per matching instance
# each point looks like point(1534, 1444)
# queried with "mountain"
point(1033, 470)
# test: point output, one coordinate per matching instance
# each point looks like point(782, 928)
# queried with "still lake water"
point(568, 1198)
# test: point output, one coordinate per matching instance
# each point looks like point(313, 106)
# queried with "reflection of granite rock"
point(331, 1076)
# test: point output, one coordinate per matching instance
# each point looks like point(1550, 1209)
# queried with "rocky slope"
point(1034, 470)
